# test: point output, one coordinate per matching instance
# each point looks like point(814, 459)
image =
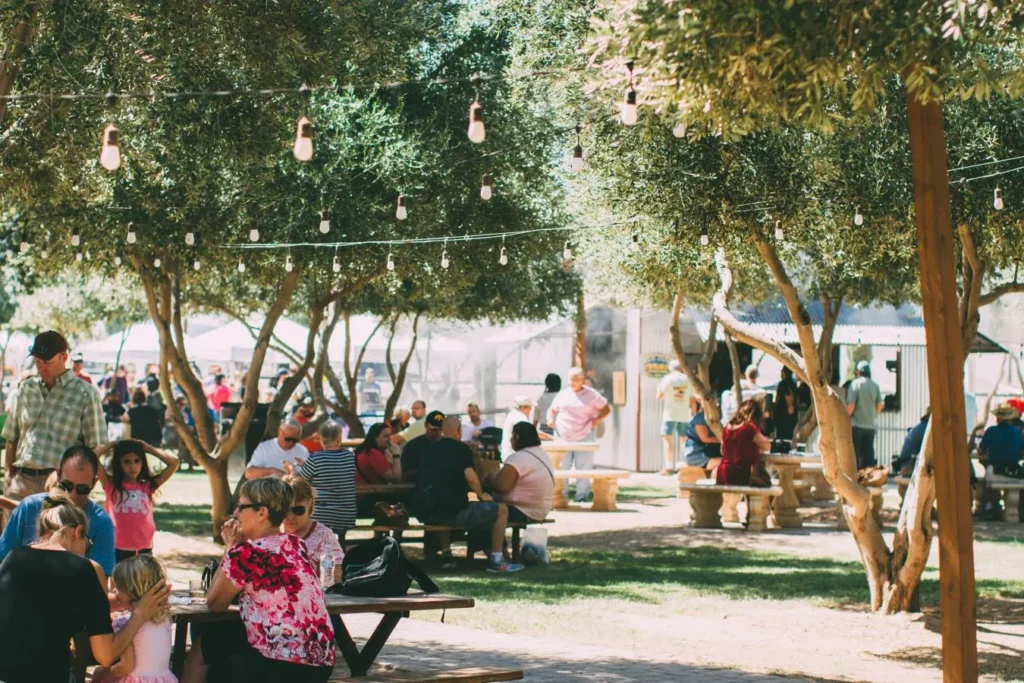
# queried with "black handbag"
point(377, 568)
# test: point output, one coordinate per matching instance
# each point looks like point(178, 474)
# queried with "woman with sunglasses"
point(49, 593)
point(319, 539)
point(288, 633)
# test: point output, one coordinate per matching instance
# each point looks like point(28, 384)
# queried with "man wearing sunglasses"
point(49, 414)
point(76, 476)
point(277, 457)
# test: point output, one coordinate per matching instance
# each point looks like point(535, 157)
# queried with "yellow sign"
point(656, 365)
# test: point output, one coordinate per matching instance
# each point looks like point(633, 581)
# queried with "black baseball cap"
point(47, 345)
point(434, 419)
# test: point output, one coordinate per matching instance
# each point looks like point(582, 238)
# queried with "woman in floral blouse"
point(287, 627)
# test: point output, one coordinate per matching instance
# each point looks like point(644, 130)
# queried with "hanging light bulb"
point(241, 265)
point(336, 265)
point(400, 211)
point(997, 200)
point(23, 247)
point(110, 153)
point(577, 159)
point(679, 130)
point(117, 260)
point(303, 149)
point(476, 130)
point(485, 187)
point(567, 252)
point(190, 238)
point(778, 231)
point(78, 256)
point(444, 260)
point(88, 256)
point(704, 239)
point(131, 233)
point(325, 222)
point(44, 254)
point(195, 265)
point(157, 262)
point(288, 263)
point(858, 218)
point(254, 235)
point(503, 259)
point(634, 246)
point(627, 114)
point(76, 240)
point(391, 262)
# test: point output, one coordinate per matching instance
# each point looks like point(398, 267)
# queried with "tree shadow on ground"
point(1005, 663)
point(187, 520)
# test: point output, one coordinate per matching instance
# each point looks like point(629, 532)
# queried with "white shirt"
point(677, 392)
point(535, 487)
point(468, 428)
point(729, 404)
point(515, 415)
point(270, 454)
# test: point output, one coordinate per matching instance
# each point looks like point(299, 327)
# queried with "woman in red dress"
point(742, 444)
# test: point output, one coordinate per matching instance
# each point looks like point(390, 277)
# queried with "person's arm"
point(879, 407)
point(7, 503)
point(125, 665)
point(9, 450)
point(602, 414)
point(94, 427)
point(474, 483)
point(851, 401)
point(544, 436)
point(11, 537)
point(552, 413)
point(101, 452)
point(102, 551)
point(762, 442)
point(258, 467)
point(167, 458)
point(11, 435)
point(222, 592)
point(106, 647)
point(505, 480)
point(705, 434)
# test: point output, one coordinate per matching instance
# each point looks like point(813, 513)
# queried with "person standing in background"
point(574, 415)
point(77, 367)
point(863, 404)
point(677, 408)
point(552, 385)
point(785, 409)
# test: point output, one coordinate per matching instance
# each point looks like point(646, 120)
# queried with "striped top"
point(333, 475)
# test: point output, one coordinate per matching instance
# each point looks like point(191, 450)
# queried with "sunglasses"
point(80, 489)
point(298, 510)
point(248, 506)
point(290, 439)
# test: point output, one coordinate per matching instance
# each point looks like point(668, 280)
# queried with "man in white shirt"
point(751, 391)
point(473, 424)
point(278, 457)
point(677, 408)
point(418, 427)
point(519, 411)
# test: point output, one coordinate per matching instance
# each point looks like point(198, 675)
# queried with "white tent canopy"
point(141, 345)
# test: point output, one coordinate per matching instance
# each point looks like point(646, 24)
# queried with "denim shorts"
point(670, 428)
point(480, 515)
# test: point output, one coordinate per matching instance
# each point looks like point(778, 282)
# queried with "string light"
point(78, 256)
point(997, 200)
point(117, 260)
point(44, 254)
point(336, 265)
point(401, 213)
point(325, 222)
point(391, 262)
point(634, 246)
point(704, 239)
point(76, 240)
point(157, 262)
point(254, 235)
point(567, 252)
point(628, 114)
point(858, 218)
point(679, 130)
point(190, 238)
point(503, 258)
point(476, 131)
point(577, 153)
point(288, 263)
point(778, 231)
point(196, 265)
point(23, 247)
point(485, 187)
point(131, 233)
point(110, 152)
point(303, 149)
point(241, 265)
point(444, 259)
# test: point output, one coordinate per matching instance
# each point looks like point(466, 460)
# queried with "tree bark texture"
point(699, 376)
point(17, 46)
point(580, 319)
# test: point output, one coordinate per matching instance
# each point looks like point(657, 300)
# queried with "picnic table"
point(358, 661)
point(557, 449)
point(787, 465)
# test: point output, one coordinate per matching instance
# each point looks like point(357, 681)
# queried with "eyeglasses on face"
point(290, 439)
point(80, 489)
point(298, 510)
point(248, 506)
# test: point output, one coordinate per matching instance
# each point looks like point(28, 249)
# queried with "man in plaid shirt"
point(49, 413)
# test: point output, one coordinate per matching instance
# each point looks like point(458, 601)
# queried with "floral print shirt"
point(283, 607)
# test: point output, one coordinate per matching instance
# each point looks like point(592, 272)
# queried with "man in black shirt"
point(413, 451)
point(444, 479)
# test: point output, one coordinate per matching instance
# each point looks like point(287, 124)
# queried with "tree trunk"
point(398, 377)
point(220, 487)
point(580, 319)
point(20, 41)
point(737, 372)
point(120, 347)
point(699, 377)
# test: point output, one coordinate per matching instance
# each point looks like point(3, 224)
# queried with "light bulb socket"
point(577, 151)
point(476, 112)
point(304, 129)
point(325, 215)
point(111, 136)
point(485, 181)
point(401, 200)
point(631, 97)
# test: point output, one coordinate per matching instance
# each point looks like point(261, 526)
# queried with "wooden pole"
point(935, 239)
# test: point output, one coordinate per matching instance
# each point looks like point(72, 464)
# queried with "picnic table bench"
point(557, 449)
point(605, 487)
point(706, 500)
point(787, 466)
point(358, 661)
point(397, 532)
point(474, 675)
point(1010, 487)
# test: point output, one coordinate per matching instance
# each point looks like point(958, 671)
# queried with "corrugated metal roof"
point(877, 325)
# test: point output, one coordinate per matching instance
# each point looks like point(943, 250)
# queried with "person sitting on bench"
point(444, 479)
point(526, 482)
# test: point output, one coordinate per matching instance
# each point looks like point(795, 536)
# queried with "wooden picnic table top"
point(403, 487)
point(564, 446)
point(792, 459)
point(340, 604)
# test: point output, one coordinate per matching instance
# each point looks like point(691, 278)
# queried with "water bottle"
point(326, 570)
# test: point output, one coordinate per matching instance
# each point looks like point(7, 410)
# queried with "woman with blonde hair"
point(49, 592)
point(319, 538)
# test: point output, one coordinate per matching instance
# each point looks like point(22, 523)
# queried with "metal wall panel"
point(892, 427)
point(654, 338)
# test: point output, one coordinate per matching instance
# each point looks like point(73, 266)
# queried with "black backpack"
point(378, 569)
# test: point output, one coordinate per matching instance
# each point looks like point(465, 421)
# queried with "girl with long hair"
point(742, 444)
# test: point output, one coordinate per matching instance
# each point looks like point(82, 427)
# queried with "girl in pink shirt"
point(129, 488)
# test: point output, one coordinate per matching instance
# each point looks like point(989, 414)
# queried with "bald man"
point(443, 483)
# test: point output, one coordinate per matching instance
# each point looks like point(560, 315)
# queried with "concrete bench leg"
point(1011, 505)
point(730, 513)
point(558, 500)
point(822, 489)
point(689, 475)
point(704, 509)
point(757, 512)
point(784, 511)
point(605, 494)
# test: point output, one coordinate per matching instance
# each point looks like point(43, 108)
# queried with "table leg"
point(359, 662)
point(556, 458)
point(757, 512)
point(784, 511)
point(730, 503)
point(1011, 506)
point(559, 501)
point(515, 545)
point(605, 491)
point(704, 509)
point(178, 655)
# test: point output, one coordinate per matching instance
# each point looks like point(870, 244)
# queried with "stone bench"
point(605, 485)
point(706, 499)
point(876, 508)
point(688, 475)
point(1010, 488)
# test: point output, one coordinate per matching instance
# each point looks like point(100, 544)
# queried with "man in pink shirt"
point(574, 413)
